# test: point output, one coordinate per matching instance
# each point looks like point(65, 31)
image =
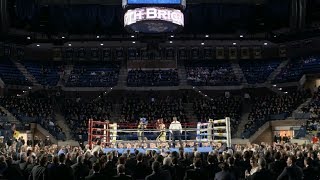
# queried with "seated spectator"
point(159, 77)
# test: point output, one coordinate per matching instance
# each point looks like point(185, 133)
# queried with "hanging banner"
point(106, 54)
point(170, 53)
point(132, 53)
point(144, 54)
point(233, 53)
point(245, 53)
point(282, 51)
point(57, 54)
point(183, 53)
point(220, 53)
point(208, 53)
point(119, 54)
point(81, 54)
point(257, 52)
point(95, 54)
point(68, 54)
point(195, 53)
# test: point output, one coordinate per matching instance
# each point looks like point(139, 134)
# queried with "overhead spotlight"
point(172, 36)
point(133, 42)
point(101, 44)
point(234, 43)
point(132, 36)
point(207, 35)
point(193, 87)
point(62, 37)
point(211, 99)
point(265, 43)
point(286, 92)
point(28, 37)
point(241, 36)
point(98, 37)
point(111, 88)
point(275, 36)
point(38, 45)
point(199, 91)
point(202, 43)
point(205, 95)
point(29, 87)
point(69, 44)
point(274, 85)
point(170, 42)
point(280, 89)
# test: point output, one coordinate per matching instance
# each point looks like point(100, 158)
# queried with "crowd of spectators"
point(94, 75)
point(313, 108)
point(258, 71)
point(297, 67)
point(46, 73)
point(210, 74)
point(34, 109)
point(252, 162)
point(218, 108)
point(77, 112)
point(272, 107)
point(136, 107)
point(161, 77)
point(10, 74)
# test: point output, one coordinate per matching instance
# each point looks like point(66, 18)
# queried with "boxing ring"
point(119, 136)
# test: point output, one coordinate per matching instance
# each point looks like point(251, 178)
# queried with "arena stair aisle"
point(238, 72)
point(277, 71)
point(66, 74)
point(25, 72)
point(188, 107)
point(246, 108)
point(1, 83)
point(182, 73)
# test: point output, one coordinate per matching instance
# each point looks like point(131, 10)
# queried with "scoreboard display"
point(153, 16)
point(154, 2)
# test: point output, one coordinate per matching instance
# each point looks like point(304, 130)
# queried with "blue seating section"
point(297, 67)
point(208, 73)
point(94, 75)
point(138, 78)
point(34, 110)
point(11, 75)
point(257, 71)
point(46, 73)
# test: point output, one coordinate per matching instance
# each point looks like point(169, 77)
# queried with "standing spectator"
point(292, 171)
point(263, 173)
point(121, 173)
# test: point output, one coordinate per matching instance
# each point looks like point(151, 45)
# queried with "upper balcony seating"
point(257, 71)
point(208, 73)
point(11, 75)
point(94, 75)
point(46, 73)
point(297, 67)
point(137, 78)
